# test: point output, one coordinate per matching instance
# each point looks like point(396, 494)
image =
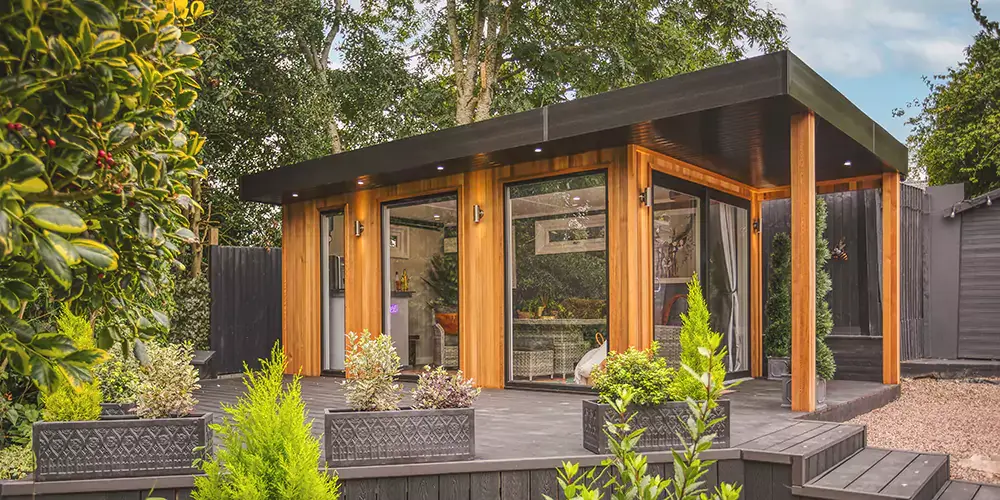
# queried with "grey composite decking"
point(877, 473)
point(961, 490)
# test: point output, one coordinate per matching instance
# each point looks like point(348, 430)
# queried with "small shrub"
point(64, 403)
point(372, 366)
point(167, 383)
point(268, 450)
point(16, 462)
point(19, 408)
point(118, 377)
point(695, 335)
point(645, 374)
point(437, 389)
point(191, 320)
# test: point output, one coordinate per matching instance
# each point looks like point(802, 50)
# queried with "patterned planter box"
point(662, 424)
point(120, 447)
point(786, 392)
point(778, 368)
point(111, 411)
point(354, 438)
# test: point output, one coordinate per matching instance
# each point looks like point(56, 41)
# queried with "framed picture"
point(399, 242)
point(569, 235)
point(676, 241)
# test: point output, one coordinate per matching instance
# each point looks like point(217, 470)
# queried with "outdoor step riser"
point(881, 474)
point(809, 466)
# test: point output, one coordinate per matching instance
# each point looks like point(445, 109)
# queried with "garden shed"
point(519, 248)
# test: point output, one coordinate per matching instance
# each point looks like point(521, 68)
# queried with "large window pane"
point(728, 289)
point(558, 278)
point(676, 258)
point(420, 252)
point(332, 262)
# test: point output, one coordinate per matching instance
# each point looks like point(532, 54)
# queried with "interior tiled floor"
point(523, 423)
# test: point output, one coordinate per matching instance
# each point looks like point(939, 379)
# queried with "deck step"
point(961, 490)
point(875, 473)
point(811, 448)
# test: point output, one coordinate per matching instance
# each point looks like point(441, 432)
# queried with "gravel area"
point(957, 417)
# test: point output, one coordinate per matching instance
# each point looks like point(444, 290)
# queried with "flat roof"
point(732, 119)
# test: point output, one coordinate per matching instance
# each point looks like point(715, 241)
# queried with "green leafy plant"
point(268, 450)
point(778, 334)
point(118, 377)
point(167, 384)
point(16, 462)
point(826, 367)
point(18, 408)
point(442, 278)
point(372, 366)
point(64, 403)
point(643, 373)
point(95, 163)
point(625, 475)
point(191, 320)
point(436, 389)
point(697, 335)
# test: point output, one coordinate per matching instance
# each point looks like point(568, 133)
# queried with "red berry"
point(111, 162)
point(11, 126)
point(51, 143)
point(102, 153)
point(100, 276)
point(117, 189)
point(18, 126)
point(131, 203)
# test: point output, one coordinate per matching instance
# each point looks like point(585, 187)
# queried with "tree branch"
point(456, 44)
point(338, 9)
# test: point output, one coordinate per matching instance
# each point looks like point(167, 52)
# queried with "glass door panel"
point(676, 258)
point(332, 263)
point(728, 287)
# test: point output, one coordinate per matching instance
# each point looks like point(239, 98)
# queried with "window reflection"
point(676, 258)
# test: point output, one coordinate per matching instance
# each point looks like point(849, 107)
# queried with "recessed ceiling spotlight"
point(436, 216)
point(440, 167)
point(295, 195)
point(538, 150)
point(847, 163)
point(361, 183)
point(576, 198)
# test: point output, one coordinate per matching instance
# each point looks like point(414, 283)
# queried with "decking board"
point(878, 476)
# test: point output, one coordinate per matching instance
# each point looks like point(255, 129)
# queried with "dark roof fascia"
point(812, 91)
point(986, 199)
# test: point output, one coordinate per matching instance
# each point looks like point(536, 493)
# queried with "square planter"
point(110, 411)
point(778, 368)
point(352, 438)
point(662, 424)
point(120, 447)
point(786, 392)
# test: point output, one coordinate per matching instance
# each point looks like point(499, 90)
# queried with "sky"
point(876, 51)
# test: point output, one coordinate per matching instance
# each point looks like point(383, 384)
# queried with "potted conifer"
point(440, 427)
point(659, 394)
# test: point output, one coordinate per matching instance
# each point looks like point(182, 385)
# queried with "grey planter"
point(786, 392)
point(778, 368)
point(662, 424)
point(121, 447)
point(110, 411)
point(396, 437)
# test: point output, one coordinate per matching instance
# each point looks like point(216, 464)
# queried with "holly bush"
point(95, 167)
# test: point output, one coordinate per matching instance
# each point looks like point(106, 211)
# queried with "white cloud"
point(859, 38)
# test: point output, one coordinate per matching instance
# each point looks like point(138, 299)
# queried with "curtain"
point(729, 241)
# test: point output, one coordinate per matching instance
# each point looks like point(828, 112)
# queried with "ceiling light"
point(361, 183)
point(847, 163)
point(440, 167)
point(436, 216)
point(538, 150)
point(576, 198)
point(295, 195)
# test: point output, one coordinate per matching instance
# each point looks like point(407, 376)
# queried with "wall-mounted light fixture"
point(358, 228)
point(477, 213)
point(646, 196)
point(756, 226)
point(989, 202)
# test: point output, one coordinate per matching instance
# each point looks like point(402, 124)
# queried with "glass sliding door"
point(677, 256)
point(332, 286)
point(557, 278)
point(729, 277)
point(420, 280)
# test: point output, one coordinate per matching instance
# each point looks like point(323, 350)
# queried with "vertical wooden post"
point(629, 253)
point(890, 278)
point(803, 190)
point(756, 287)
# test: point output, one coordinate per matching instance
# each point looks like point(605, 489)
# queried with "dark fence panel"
point(858, 357)
point(912, 271)
point(246, 305)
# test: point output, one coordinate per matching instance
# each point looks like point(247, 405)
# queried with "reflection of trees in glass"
point(554, 277)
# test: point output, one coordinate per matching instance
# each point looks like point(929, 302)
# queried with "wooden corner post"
point(756, 288)
point(890, 278)
point(803, 194)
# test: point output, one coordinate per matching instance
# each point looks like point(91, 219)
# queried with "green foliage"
point(18, 408)
point(167, 383)
point(437, 389)
point(16, 462)
point(954, 135)
point(268, 450)
point(191, 320)
point(372, 366)
point(65, 403)
point(625, 475)
point(644, 374)
point(825, 366)
point(442, 277)
point(94, 167)
point(696, 336)
point(778, 310)
point(118, 377)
